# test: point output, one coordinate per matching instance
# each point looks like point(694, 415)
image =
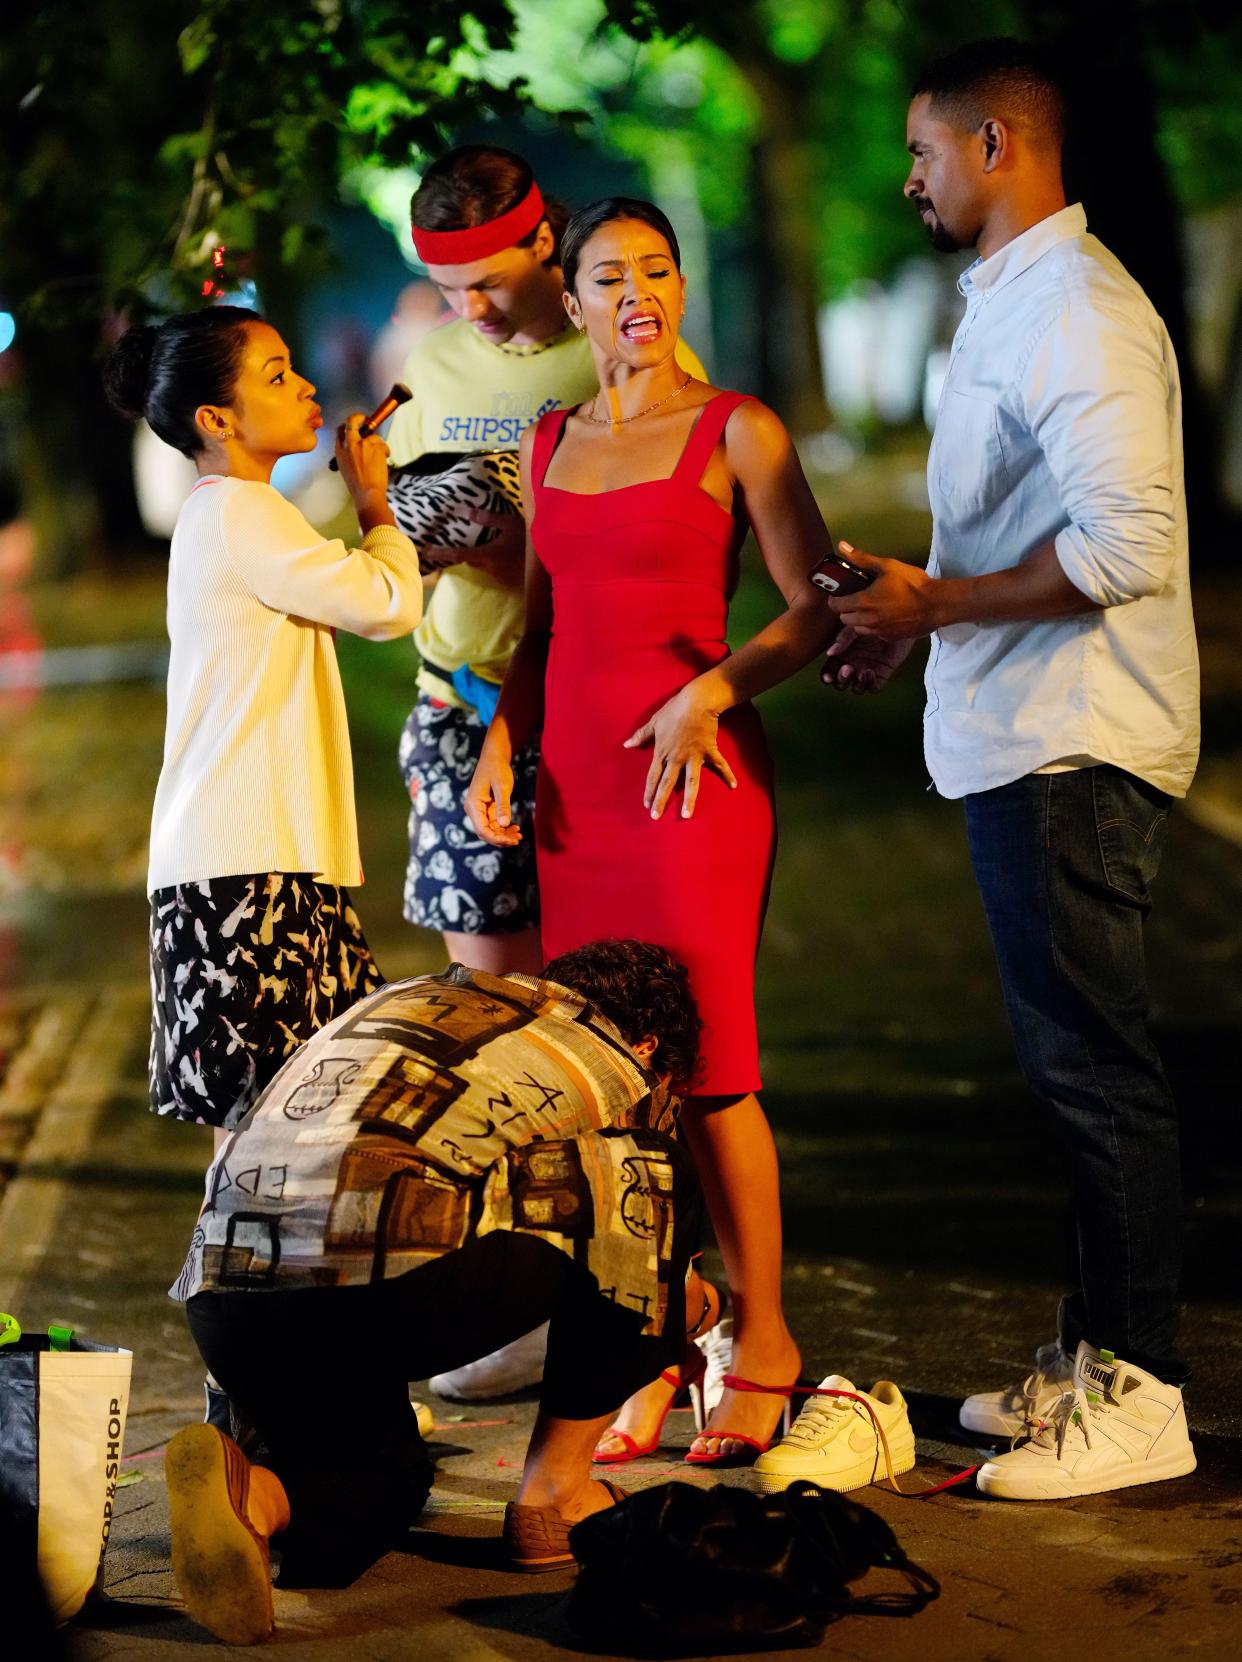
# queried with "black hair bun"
point(127, 371)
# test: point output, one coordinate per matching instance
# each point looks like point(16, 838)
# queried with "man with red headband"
point(491, 245)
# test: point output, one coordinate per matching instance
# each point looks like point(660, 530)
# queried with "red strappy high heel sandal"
point(688, 1377)
point(754, 1448)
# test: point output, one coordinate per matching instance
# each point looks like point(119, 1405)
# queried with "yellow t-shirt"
point(471, 395)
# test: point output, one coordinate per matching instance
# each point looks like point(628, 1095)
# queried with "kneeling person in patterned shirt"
point(457, 1159)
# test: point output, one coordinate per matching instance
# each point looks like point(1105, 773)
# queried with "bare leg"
point(733, 1150)
point(521, 952)
point(642, 1416)
point(558, 1467)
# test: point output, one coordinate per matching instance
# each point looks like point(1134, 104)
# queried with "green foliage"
point(138, 135)
point(831, 78)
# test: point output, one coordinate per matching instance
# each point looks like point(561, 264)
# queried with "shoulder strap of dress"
point(706, 435)
point(547, 433)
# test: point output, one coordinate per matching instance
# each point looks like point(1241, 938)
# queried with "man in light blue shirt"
point(1062, 708)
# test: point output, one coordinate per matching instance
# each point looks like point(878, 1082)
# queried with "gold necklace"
point(620, 421)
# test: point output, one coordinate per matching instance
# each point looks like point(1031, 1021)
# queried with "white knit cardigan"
point(257, 773)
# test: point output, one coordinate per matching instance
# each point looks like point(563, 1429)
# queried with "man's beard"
point(941, 239)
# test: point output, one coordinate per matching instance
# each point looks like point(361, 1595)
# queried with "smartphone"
point(838, 576)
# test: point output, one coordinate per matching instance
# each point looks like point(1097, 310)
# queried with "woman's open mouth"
point(642, 328)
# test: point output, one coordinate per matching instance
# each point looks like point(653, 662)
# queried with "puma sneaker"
point(834, 1443)
point(513, 1367)
point(1008, 1413)
point(1113, 1427)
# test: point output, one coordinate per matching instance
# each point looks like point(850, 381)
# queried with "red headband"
point(476, 242)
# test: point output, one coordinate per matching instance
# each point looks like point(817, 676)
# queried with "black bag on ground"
point(680, 1571)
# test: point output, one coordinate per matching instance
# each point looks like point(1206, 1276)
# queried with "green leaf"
point(196, 42)
point(291, 244)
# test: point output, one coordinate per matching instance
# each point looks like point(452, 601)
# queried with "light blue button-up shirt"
point(1060, 421)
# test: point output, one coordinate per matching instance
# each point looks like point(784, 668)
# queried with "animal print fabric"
point(243, 971)
point(441, 1109)
point(433, 509)
point(454, 880)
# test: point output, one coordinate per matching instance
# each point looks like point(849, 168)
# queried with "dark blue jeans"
point(1064, 862)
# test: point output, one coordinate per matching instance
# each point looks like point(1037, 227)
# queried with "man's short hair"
point(999, 79)
point(475, 183)
point(645, 993)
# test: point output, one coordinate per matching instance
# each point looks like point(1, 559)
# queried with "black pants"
point(323, 1374)
point(1064, 863)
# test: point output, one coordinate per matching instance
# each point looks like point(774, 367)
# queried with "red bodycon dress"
point(640, 585)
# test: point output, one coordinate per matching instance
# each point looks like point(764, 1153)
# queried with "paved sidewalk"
point(921, 1200)
point(96, 1221)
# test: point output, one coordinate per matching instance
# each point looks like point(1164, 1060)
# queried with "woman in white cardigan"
point(254, 942)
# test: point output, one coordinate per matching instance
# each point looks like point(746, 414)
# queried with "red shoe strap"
point(735, 1382)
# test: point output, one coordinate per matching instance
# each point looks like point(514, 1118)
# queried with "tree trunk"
point(1114, 167)
point(785, 240)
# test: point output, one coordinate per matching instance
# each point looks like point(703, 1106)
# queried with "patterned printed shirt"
point(434, 1111)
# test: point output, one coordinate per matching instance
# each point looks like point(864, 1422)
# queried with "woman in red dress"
point(654, 812)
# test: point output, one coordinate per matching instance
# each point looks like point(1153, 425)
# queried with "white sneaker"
point(1116, 1426)
point(1009, 1413)
point(511, 1368)
point(717, 1346)
point(833, 1442)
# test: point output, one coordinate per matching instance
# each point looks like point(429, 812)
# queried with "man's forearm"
point(1035, 589)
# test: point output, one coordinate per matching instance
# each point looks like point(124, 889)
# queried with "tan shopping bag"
point(62, 1428)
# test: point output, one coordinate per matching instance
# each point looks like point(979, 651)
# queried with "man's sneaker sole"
point(219, 1562)
point(868, 1468)
point(994, 1480)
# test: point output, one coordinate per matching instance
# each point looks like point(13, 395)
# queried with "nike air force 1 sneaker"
point(513, 1367)
point(1113, 1427)
point(834, 1443)
point(1007, 1414)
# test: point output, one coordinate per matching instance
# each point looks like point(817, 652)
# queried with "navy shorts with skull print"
point(455, 880)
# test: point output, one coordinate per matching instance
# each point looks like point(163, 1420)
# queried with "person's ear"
point(544, 245)
point(683, 294)
point(215, 425)
point(645, 1048)
point(995, 143)
point(573, 309)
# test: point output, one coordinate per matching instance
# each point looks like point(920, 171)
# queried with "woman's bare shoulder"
point(755, 431)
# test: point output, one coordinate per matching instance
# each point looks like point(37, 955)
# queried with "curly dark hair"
point(645, 993)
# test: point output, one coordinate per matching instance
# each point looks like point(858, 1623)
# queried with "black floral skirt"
point(243, 971)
